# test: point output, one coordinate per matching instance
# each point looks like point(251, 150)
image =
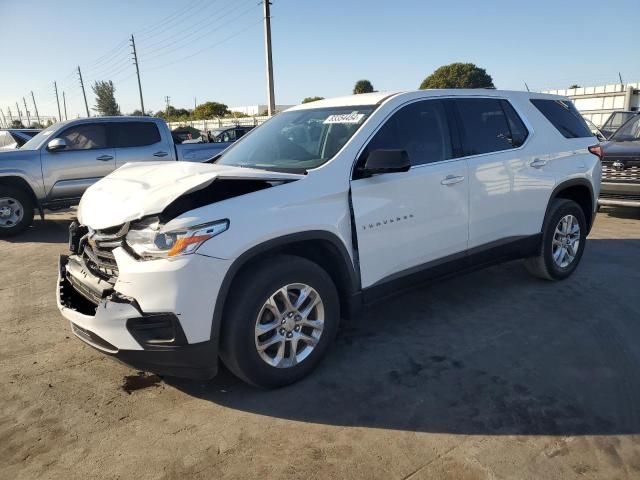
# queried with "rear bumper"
point(119, 327)
point(620, 194)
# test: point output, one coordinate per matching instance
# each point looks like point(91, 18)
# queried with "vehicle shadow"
point(621, 212)
point(54, 229)
point(493, 352)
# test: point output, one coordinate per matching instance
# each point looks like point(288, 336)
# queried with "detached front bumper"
point(161, 340)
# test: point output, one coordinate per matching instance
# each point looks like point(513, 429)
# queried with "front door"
point(406, 221)
point(89, 156)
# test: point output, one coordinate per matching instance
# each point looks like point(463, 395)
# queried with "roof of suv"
point(379, 97)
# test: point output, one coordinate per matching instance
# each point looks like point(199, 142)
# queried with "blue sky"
point(319, 47)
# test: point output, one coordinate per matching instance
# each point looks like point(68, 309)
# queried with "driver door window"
point(421, 129)
point(85, 137)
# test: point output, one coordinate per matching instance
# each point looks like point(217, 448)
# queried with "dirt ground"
point(488, 375)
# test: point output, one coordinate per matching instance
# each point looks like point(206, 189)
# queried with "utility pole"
point(4, 120)
point(35, 107)
point(526, 86)
point(167, 99)
point(271, 101)
point(26, 111)
point(620, 77)
point(19, 112)
point(64, 102)
point(10, 116)
point(86, 106)
point(135, 61)
point(55, 87)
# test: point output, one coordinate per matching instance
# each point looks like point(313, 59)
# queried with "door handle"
point(451, 180)
point(104, 158)
point(160, 154)
point(538, 163)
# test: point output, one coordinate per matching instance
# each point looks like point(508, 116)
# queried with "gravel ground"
point(488, 375)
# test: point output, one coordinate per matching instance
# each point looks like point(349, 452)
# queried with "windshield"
point(629, 132)
point(35, 142)
point(297, 141)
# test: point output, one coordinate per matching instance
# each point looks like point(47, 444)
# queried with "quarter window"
point(136, 134)
point(420, 128)
point(519, 132)
point(564, 116)
point(485, 126)
point(85, 137)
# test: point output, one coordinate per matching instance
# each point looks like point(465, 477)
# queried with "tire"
point(257, 299)
point(551, 263)
point(16, 210)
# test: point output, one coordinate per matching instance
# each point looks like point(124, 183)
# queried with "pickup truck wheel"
point(282, 316)
point(16, 211)
point(563, 239)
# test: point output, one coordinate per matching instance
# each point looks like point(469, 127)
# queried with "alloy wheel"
point(566, 241)
point(289, 325)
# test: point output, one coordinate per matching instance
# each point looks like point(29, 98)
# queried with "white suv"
point(327, 207)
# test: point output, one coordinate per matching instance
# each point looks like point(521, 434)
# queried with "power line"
point(172, 16)
point(194, 27)
point(198, 52)
point(206, 33)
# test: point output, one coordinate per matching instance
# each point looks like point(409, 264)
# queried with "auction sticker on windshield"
point(353, 117)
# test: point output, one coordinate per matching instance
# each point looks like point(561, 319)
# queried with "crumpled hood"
point(136, 190)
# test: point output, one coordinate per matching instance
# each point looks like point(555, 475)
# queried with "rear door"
point(405, 221)
point(89, 156)
point(509, 186)
point(139, 142)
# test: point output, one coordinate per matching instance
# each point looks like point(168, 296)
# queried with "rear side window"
point(485, 125)
point(136, 134)
point(420, 128)
point(564, 116)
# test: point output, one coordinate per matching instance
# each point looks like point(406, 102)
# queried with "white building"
point(256, 110)
point(597, 103)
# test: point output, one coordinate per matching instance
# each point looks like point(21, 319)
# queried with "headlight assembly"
point(148, 242)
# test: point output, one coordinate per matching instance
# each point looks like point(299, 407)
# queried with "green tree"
point(209, 110)
point(17, 124)
point(362, 86)
point(458, 75)
point(312, 99)
point(137, 113)
point(575, 85)
point(105, 98)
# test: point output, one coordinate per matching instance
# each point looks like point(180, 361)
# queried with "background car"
point(615, 121)
point(621, 166)
point(16, 137)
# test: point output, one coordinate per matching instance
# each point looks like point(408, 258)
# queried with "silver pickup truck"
point(54, 168)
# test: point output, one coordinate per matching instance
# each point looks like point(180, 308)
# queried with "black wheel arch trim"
point(273, 245)
point(573, 183)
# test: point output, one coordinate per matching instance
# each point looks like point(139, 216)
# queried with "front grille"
point(626, 171)
point(97, 251)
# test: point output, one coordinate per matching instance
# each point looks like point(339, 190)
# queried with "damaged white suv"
point(255, 257)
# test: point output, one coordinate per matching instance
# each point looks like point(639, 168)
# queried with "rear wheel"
point(283, 314)
point(563, 240)
point(16, 210)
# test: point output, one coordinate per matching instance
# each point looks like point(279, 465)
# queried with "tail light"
point(597, 151)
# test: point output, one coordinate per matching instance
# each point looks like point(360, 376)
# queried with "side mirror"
point(387, 161)
point(56, 144)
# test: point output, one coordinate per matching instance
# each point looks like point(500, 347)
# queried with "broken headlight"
point(149, 242)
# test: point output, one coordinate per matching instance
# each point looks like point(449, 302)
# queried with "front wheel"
point(283, 314)
point(563, 239)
